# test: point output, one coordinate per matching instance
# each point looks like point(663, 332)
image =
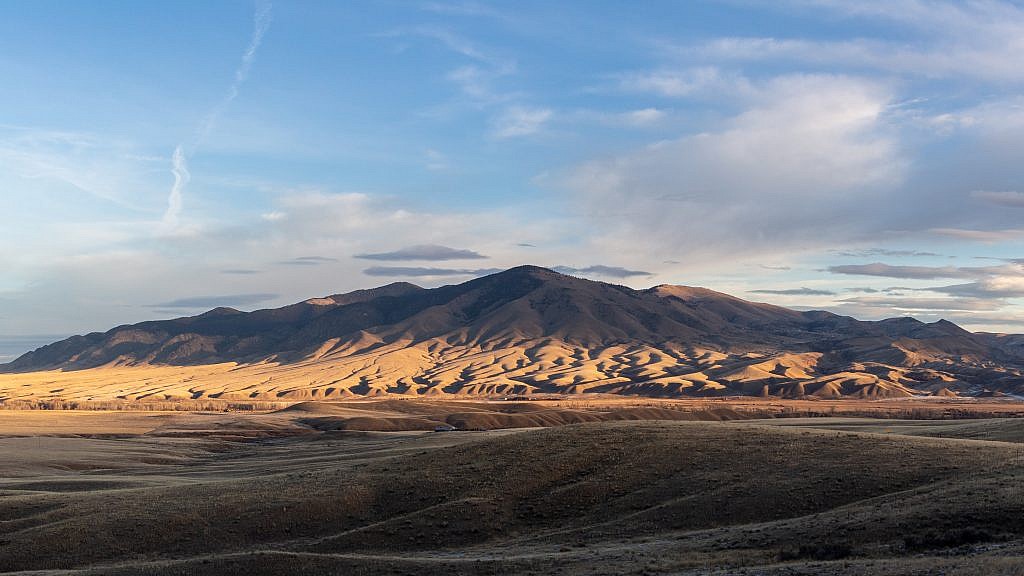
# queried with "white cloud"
point(458, 44)
point(642, 117)
point(475, 80)
point(701, 80)
point(908, 304)
point(462, 9)
point(915, 272)
point(175, 200)
point(979, 40)
point(989, 236)
point(179, 167)
point(993, 287)
point(1005, 285)
point(261, 23)
point(1001, 198)
point(92, 165)
point(436, 161)
point(803, 164)
point(477, 83)
point(518, 121)
point(428, 252)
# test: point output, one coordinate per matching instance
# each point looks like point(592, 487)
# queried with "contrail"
point(261, 22)
point(179, 161)
point(179, 166)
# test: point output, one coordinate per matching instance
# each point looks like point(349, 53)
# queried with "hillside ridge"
point(531, 330)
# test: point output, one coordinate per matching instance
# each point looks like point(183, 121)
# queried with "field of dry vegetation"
point(556, 487)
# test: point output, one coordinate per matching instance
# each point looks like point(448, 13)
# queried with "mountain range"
point(523, 331)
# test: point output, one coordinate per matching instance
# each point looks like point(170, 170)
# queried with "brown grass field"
point(543, 487)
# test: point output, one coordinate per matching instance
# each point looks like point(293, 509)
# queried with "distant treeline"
point(899, 410)
point(746, 407)
point(144, 406)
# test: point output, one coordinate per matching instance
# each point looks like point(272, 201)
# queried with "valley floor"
point(302, 491)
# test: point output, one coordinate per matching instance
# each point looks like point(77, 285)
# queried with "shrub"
point(951, 538)
point(818, 551)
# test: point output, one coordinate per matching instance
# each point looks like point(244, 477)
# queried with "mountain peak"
point(682, 292)
point(221, 311)
point(532, 329)
point(393, 289)
point(529, 270)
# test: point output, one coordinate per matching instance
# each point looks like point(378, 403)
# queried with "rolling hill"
point(523, 331)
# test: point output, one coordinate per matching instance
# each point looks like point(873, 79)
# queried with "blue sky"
point(159, 159)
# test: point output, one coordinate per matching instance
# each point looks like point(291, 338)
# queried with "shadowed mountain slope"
point(529, 330)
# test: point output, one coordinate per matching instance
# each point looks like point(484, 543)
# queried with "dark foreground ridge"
point(698, 498)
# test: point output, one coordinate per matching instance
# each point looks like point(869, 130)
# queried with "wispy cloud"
point(907, 272)
point(179, 160)
point(684, 83)
point(642, 117)
point(1002, 198)
point(993, 287)
point(432, 252)
point(863, 290)
point(979, 40)
point(518, 121)
point(601, 270)
point(436, 161)
point(411, 271)
point(875, 252)
point(981, 235)
point(461, 9)
point(230, 300)
point(477, 78)
point(179, 167)
point(636, 118)
point(102, 167)
point(308, 261)
point(795, 292)
point(989, 283)
point(926, 304)
point(459, 44)
point(261, 23)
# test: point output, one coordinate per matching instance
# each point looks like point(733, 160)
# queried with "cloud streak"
point(230, 300)
point(1002, 198)
point(994, 287)
point(795, 292)
point(179, 160)
point(907, 272)
point(261, 23)
point(979, 40)
point(411, 271)
point(429, 252)
point(308, 261)
point(927, 304)
point(981, 235)
point(179, 167)
point(519, 121)
point(870, 252)
point(601, 270)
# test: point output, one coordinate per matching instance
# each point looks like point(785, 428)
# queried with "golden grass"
point(434, 367)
